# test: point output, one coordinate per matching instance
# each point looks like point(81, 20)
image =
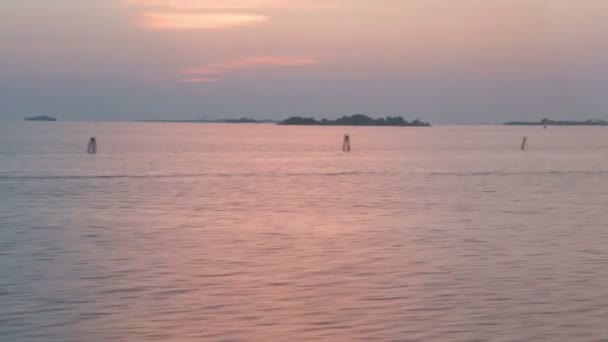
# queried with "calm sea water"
point(205, 232)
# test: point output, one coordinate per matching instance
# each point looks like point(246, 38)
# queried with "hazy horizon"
point(446, 62)
point(262, 120)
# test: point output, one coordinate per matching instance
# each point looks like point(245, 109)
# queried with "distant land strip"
point(241, 120)
point(548, 122)
point(40, 118)
point(355, 120)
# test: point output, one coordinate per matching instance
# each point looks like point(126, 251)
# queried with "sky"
point(444, 61)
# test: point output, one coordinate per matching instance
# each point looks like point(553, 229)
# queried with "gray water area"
point(214, 232)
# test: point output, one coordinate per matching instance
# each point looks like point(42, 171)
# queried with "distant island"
point(548, 122)
point(355, 120)
point(40, 118)
point(245, 120)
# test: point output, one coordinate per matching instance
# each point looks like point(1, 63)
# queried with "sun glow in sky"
point(460, 61)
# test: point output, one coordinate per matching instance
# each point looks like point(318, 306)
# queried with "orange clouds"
point(199, 80)
point(215, 14)
point(184, 15)
point(252, 62)
point(211, 72)
point(215, 5)
point(193, 21)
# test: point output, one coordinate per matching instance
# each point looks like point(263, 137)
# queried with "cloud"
point(212, 72)
point(199, 80)
point(214, 5)
point(216, 14)
point(193, 21)
point(251, 62)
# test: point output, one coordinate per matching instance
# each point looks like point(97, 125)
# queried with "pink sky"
point(454, 61)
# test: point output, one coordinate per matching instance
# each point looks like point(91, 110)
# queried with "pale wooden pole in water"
point(523, 143)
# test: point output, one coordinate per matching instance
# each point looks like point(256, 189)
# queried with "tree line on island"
point(355, 120)
point(40, 118)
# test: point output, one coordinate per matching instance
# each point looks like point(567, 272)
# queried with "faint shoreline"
point(233, 121)
point(547, 122)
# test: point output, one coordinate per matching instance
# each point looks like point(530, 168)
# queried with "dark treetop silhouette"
point(40, 118)
point(356, 120)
